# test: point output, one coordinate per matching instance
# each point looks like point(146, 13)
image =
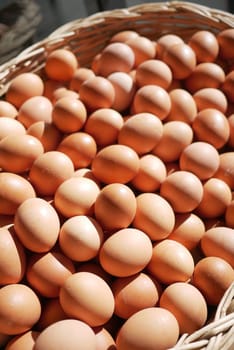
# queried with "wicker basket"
point(86, 37)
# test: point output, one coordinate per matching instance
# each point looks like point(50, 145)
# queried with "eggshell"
point(76, 196)
point(123, 36)
point(81, 75)
point(205, 45)
point(7, 109)
point(9, 126)
point(187, 304)
point(183, 106)
point(134, 293)
point(50, 86)
point(225, 171)
point(115, 163)
point(61, 65)
point(87, 297)
point(25, 341)
point(116, 258)
point(18, 152)
point(165, 41)
point(51, 312)
point(49, 170)
point(20, 308)
point(153, 72)
point(226, 39)
point(142, 47)
point(24, 86)
point(171, 262)
point(219, 241)
point(37, 108)
point(49, 135)
point(141, 132)
point(211, 98)
point(104, 340)
point(228, 86)
point(93, 266)
point(62, 92)
point(80, 238)
point(213, 276)
point(229, 215)
point(14, 190)
point(154, 322)
point(70, 334)
point(157, 227)
point(87, 173)
point(31, 222)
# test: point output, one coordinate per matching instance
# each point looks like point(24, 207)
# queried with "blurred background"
point(23, 22)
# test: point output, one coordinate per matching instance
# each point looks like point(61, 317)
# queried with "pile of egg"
point(116, 182)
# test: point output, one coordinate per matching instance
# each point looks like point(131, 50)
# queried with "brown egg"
point(51, 312)
point(20, 308)
point(187, 304)
point(157, 227)
point(229, 215)
point(228, 86)
point(205, 75)
point(205, 45)
point(116, 56)
point(7, 109)
point(216, 197)
point(143, 48)
point(166, 41)
point(104, 125)
point(62, 92)
point(69, 114)
point(24, 341)
point(125, 89)
point(34, 109)
point(31, 222)
point(171, 262)
point(104, 340)
point(81, 75)
point(49, 135)
point(47, 272)
point(12, 259)
point(86, 172)
point(211, 98)
point(18, 152)
point(176, 136)
point(94, 305)
point(94, 267)
point(61, 65)
point(24, 86)
point(14, 190)
point(115, 163)
point(213, 276)
point(151, 174)
point(49, 170)
point(70, 334)
point(97, 92)
point(76, 196)
point(183, 190)
point(183, 106)
point(141, 132)
point(120, 261)
point(124, 35)
point(115, 206)
point(10, 126)
point(134, 293)
point(226, 39)
point(80, 238)
point(225, 171)
point(188, 230)
point(50, 86)
point(219, 241)
point(152, 321)
point(211, 125)
point(200, 158)
point(154, 72)
point(152, 99)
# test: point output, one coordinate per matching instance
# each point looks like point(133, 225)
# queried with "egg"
point(49, 170)
point(50, 86)
point(69, 114)
point(154, 322)
point(80, 75)
point(104, 340)
point(86, 172)
point(187, 304)
point(37, 108)
point(13, 257)
point(205, 45)
point(142, 47)
point(229, 217)
point(183, 106)
point(80, 147)
point(7, 109)
point(24, 86)
point(225, 171)
point(24, 341)
point(200, 158)
point(10, 126)
point(134, 293)
point(171, 262)
point(211, 98)
point(211, 125)
point(80, 238)
point(115, 163)
point(141, 132)
point(228, 86)
point(69, 334)
point(165, 41)
point(120, 261)
point(48, 134)
point(123, 36)
point(104, 125)
point(14, 190)
point(153, 72)
point(225, 39)
point(61, 92)
point(93, 266)
point(157, 227)
point(213, 276)
point(183, 190)
point(50, 313)
point(94, 306)
point(18, 152)
point(20, 308)
point(61, 65)
point(219, 241)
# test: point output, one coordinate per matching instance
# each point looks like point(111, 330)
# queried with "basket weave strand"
point(86, 37)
